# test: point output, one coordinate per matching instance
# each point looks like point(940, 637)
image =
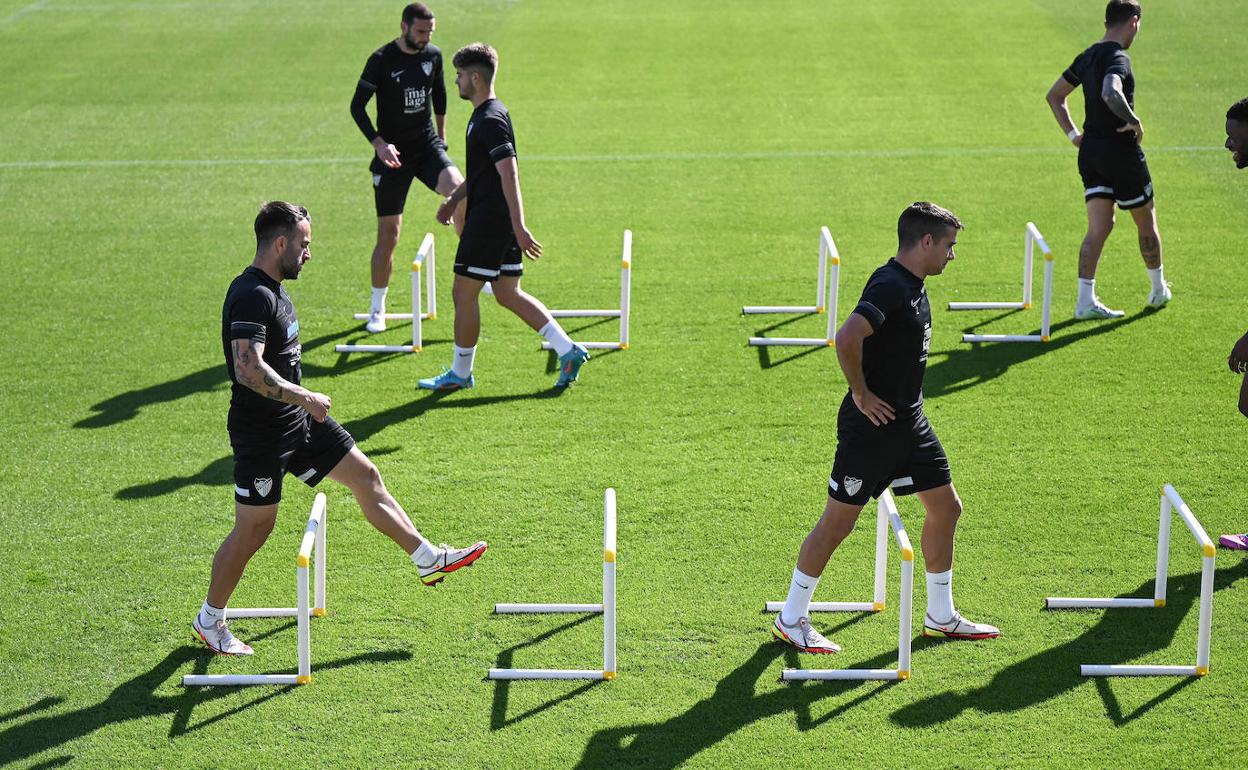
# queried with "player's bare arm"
point(439, 125)
point(849, 339)
point(1061, 112)
point(1116, 99)
point(447, 210)
point(253, 372)
point(387, 153)
point(509, 173)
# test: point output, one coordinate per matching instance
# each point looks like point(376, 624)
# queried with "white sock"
point(940, 595)
point(426, 554)
point(1087, 291)
point(209, 614)
point(557, 337)
point(1158, 279)
point(379, 299)
point(801, 588)
point(464, 358)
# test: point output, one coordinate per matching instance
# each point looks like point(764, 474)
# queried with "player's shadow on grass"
point(126, 406)
point(734, 705)
point(766, 359)
point(137, 699)
point(502, 687)
point(973, 364)
point(1122, 635)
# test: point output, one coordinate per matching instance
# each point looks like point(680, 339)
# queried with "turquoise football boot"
point(447, 380)
point(570, 365)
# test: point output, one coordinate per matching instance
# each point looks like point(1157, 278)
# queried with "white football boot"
point(958, 627)
point(1160, 298)
point(376, 321)
point(219, 639)
point(803, 636)
point(1096, 309)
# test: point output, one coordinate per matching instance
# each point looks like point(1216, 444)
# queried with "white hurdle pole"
point(313, 538)
point(829, 264)
point(624, 311)
point(1046, 308)
point(904, 628)
point(607, 609)
point(423, 263)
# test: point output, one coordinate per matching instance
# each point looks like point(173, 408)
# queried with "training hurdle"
point(606, 609)
point(313, 539)
point(624, 311)
point(826, 288)
point(1170, 503)
point(887, 517)
point(1031, 240)
point(424, 263)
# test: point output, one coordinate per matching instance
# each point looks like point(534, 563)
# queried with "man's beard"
point(414, 45)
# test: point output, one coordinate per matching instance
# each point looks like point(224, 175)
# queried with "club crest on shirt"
point(427, 67)
point(852, 485)
point(263, 486)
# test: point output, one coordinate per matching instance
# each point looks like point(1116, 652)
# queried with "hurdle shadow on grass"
point(968, 365)
point(734, 705)
point(1122, 635)
point(502, 687)
point(766, 353)
point(126, 406)
point(137, 699)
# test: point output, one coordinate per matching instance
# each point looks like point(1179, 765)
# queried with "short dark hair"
point(923, 218)
point(414, 11)
point(1238, 111)
point(278, 218)
point(1119, 11)
point(479, 55)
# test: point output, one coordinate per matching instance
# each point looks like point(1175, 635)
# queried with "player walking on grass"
point(495, 234)
point(277, 427)
point(1111, 161)
point(1237, 143)
point(409, 141)
point(883, 436)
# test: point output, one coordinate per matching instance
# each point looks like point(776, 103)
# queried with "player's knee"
point(388, 230)
point(254, 531)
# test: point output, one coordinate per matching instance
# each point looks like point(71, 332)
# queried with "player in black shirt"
point(495, 234)
point(409, 141)
point(883, 437)
point(1237, 143)
point(1111, 161)
point(277, 426)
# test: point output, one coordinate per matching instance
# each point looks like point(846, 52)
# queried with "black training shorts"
point(390, 185)
point(904, 454)
point(308, 454)
point(1114, 168)
point(485, 254)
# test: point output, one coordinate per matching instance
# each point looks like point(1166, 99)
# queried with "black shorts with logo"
point(1114, 168)
point(904, 454)
point(390, 185)
point(308, 452)
point(485, 254)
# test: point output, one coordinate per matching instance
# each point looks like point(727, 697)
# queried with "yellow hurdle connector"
point(821, 310)
point(415, 349)
point(903, 676)
point(1202, 671)
point(1048, 257)
point(608, 555)
point(835, 260)
point(318, 612)
point(1159, 602)
point(624, 263)
point(302, 560)
point(831, 343)
point(624, 346)
point(1044, 338)
point(1208, 550)
point(878, 606)
point(907, 554)
point(433, 317)
point(301, 679)
point(1026, 306)
point(608, 676)
point(416, 267)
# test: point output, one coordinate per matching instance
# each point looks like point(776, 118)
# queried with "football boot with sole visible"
point(1234, 542)
point(1096, 309)
point(570, 365)
point(447, 380)
point(450, 559)
point(959, 627)
point(803, 636)
point(219, 639)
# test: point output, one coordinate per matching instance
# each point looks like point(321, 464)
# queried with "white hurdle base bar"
point(887, 508)
point(624, 312)
point(1031, 240)
point(831, 606)
point(606, 609)
point(423, 263)
point(1171, 503)
point(827, 285)
point(313, 542)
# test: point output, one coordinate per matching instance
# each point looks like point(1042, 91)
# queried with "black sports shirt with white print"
point(1089, 70)
point(410, 90)
point(490, 138)
point(257, 308)
point(894, 357)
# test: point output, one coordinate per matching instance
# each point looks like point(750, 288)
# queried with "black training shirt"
point(894, 357)
point(257, 308)
point(406, 86)
point(490, 139)
point(1090, 69)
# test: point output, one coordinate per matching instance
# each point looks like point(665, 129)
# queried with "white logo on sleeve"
point(852, 485)
point(263, 486)
point(427, 67)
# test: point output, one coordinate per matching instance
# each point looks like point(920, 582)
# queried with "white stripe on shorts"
point(241, 492)
point(1094, 190)
point(309, 473)
point(833, 485)
point(515, 266)
point(904, 481)
point(1133, 201)
point(481, 271)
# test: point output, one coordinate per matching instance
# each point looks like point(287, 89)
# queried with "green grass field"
point(137, 140)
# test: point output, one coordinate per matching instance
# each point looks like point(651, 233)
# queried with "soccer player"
point(1237, 143)
point(883, 436)
point(1111, 162)
point(277, 426)
point(495, 234)
point(409, 141)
